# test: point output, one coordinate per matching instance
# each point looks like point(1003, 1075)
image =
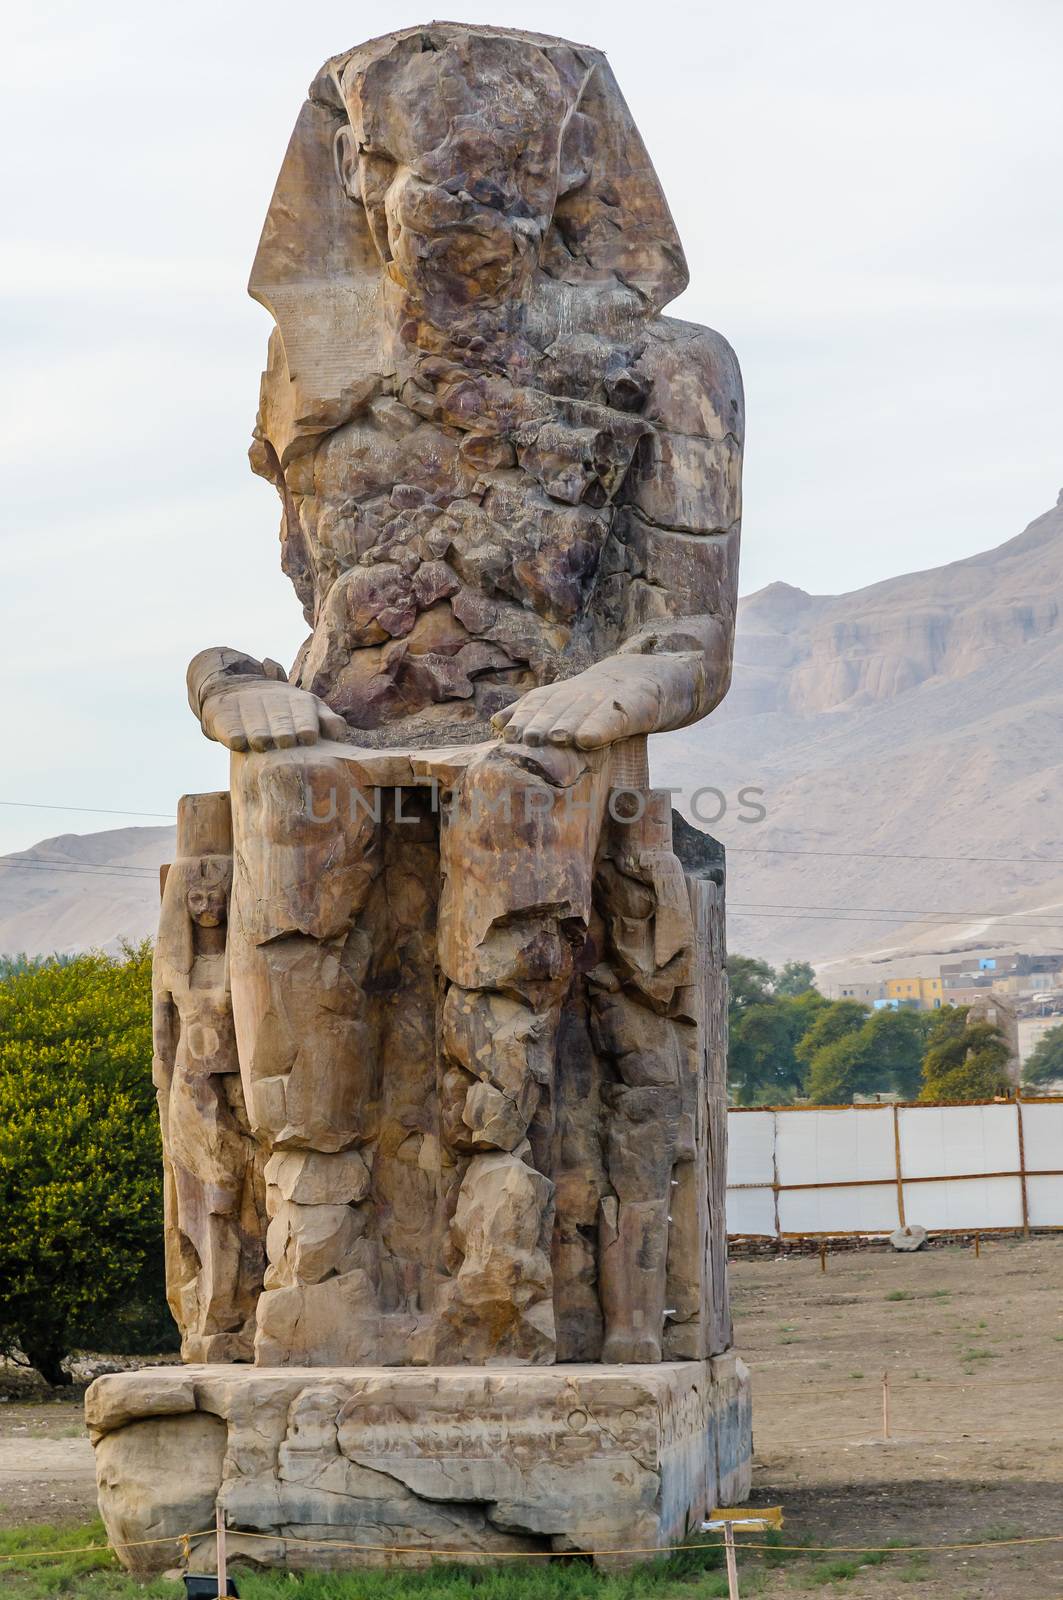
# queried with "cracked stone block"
point(418, 1463)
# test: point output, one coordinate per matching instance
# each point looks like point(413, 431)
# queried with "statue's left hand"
point(615, 699)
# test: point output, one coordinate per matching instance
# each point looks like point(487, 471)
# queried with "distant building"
point(1016, 974)
point(847, 989)
point(922, 994)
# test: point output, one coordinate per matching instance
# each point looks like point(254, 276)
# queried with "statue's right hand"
point(266, 715)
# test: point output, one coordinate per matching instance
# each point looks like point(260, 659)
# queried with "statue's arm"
point(679, 525)
point(249, 705)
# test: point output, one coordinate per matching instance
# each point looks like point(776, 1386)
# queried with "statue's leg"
point(306, 850)
point(640, 1004)
point(518, 843)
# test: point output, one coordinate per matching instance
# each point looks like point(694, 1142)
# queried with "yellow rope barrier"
point(102, 1549)
point(511, 1555)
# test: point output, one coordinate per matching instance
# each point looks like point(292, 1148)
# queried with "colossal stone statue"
point(452, 1047)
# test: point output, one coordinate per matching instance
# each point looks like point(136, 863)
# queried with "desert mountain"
point(83, 891)
point(908, 738)
point(908, 742)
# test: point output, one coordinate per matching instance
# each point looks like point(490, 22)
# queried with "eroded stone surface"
point(440, 998)
point(510, 496)
point(462, 1459)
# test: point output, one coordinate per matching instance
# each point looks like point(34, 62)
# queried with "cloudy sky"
point(869, 198)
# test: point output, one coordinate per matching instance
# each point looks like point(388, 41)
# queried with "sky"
point(869, 201)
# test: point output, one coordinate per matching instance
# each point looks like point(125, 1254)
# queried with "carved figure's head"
point(202, 874)
point(209, 882)
point(454, 150)
point(452, 176)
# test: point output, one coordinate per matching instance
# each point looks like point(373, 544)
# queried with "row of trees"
point(787, 1040)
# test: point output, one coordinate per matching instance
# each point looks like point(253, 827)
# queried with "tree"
point(963, 1061)
point(833, 1021)
point(749, 982)
point(1045, 1062)
point(884, 1054)
point(796, 978)
point(80, 1162)
point(896, 1043)
point(763, 1067)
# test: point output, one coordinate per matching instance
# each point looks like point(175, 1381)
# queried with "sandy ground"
point(974, 1350)
point(46, 1472)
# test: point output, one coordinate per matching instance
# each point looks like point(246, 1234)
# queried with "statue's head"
point(203, 871)
point(207, 895)
point(443, 174)
point(453, 147)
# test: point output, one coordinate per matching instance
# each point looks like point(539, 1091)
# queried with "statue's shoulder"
point(695, 380)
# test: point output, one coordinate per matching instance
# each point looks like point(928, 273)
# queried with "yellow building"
point(926, 993)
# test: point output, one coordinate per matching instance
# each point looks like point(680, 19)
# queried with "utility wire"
point(887, 855)
point(103, 811)
point(732, 849)
point(889, 911)
point(764, 910)
point(88, 870)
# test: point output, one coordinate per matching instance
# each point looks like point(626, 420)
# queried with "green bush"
point(81, 1261)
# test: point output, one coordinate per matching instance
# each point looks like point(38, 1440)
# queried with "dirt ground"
point(974, 1351)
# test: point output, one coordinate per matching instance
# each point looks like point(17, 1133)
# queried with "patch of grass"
point(915, 1569)
point(841, 1570)
point(856, 1374)
point(95, 1574)
point(901, 1294)
point(978, 1355)
point(773, 1539)
point(1001, 1531)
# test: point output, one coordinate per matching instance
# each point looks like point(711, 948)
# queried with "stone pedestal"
point(358, 1466)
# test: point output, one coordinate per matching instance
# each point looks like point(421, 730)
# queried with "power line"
point(812, 916)
point(113, 869)
point(732, 849)
point(763, 910)
point(887, 855)
point(44, 864)
point(102, 811)
point(900, 911)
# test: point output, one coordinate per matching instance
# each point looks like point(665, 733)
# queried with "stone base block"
point(371, 1466)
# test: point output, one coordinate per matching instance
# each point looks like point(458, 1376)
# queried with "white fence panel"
point(870, 1209)
point(1045, 1200)
point(1042, 1136)
point(835, 1146)
point(751, 1213)
point(954, 1141)
point(968, 1206)
point(808, 1170)
point(751, 1148)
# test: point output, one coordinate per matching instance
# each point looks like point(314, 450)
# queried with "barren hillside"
point(919, 718)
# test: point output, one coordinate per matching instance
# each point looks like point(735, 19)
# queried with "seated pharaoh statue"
point(439, 994)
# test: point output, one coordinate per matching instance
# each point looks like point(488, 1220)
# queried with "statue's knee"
point(297, 796)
